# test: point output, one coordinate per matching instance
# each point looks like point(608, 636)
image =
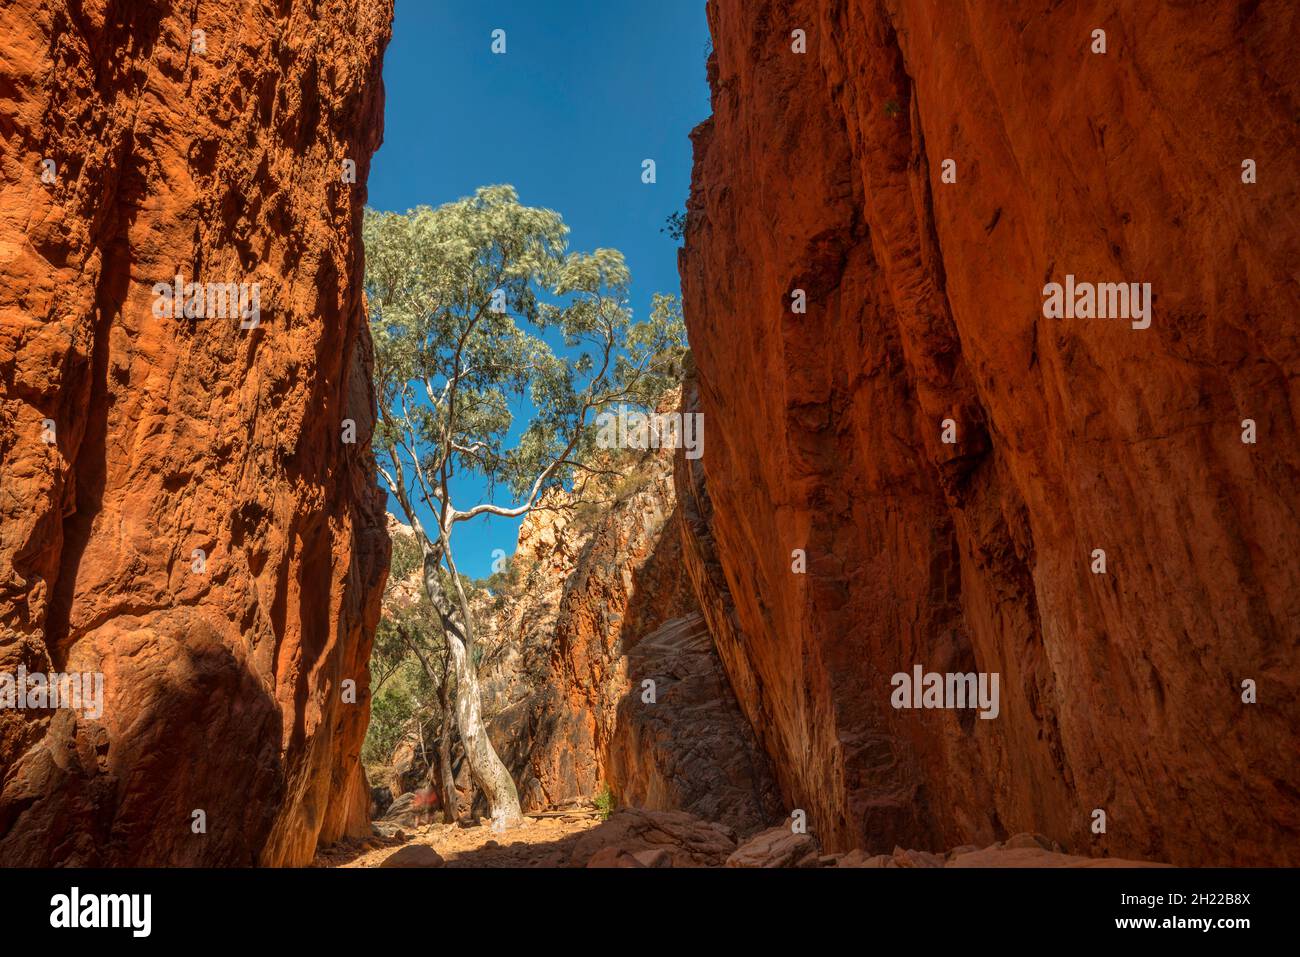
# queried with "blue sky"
point(586, 90)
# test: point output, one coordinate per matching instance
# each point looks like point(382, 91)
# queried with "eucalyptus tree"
point(411, 674)
point(462, 301)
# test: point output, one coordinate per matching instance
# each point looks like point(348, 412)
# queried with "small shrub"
point(675, 226)
point(631, 483)
point(407, 557)
point(587, 514)
point(605, 802)
point(504, 582)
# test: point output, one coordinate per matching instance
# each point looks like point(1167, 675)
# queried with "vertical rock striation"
point(1120, 691)
point(604, 605)
point(216, 155)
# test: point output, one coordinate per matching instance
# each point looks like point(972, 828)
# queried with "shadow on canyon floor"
point(637, 838)
point(548, 839)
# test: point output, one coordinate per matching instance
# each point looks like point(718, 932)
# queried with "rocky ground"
point(538, 843)
point(637, 838)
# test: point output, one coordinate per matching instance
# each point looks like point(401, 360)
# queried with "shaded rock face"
point(690, 748)
point(129, 440)
point(1120, 691)
point(604, 606)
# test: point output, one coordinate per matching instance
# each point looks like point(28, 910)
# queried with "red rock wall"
point(1119, 691)
point(604, 603)
point(223, 689)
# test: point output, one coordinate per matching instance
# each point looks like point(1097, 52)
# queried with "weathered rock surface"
point(777, 847)
point(404, 811)
point(603, 605)
point(414, 855)
point(1119, 691)
point(685, 839)
point(223, 687)
point(636, 838)
point(690, 748)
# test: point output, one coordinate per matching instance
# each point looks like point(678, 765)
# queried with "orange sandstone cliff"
point(601, 672)
point(178, 507)
point(1121, 691)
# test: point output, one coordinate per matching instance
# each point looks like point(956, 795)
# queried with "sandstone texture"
point(684, 839)
point(637, 838)
point(690, 748)
point(776, 847)
point(414, 855)
point(1120, 691)
point(221, 161)
point(603, 604)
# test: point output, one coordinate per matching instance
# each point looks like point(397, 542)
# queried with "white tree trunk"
point(487, 770)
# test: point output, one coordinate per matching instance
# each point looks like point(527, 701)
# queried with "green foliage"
point(402, 691)
point(624, 473)
point(391, 713)
point(675, 226)
point(892, 108)
point(407, 557)
point(405, 694)
point(504, 583)
point(632, 483)
point(605, 802)
point(461, 297)
point(586, 514)
point(465, 301)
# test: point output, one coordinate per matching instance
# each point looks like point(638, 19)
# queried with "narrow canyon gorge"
point(907, 463)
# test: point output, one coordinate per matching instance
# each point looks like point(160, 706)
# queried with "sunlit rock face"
point(1121, 691)
point(179, 509)
point(599, 672)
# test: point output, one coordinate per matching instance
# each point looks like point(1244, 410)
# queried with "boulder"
point(675, 838)
point(414, 855)
point(777, 847)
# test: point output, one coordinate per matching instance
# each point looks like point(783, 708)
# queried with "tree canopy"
point(462, 301)
point(461, 298)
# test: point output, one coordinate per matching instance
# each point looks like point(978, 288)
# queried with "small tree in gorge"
point(460, 297)
point(411, 675)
